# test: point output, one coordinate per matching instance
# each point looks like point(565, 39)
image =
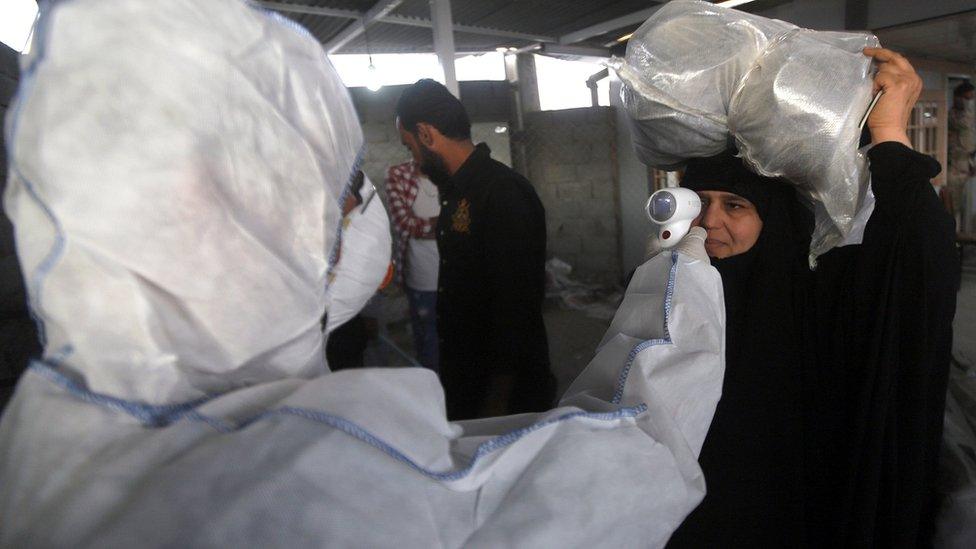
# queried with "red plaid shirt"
point(402, 184)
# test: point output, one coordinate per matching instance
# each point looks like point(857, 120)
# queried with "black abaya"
point(883, 325)
point(829, 426)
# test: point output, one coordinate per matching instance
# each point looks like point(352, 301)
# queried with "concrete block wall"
point(383, 148)
point(571, 156)
point(571, 162)
point(486, 103)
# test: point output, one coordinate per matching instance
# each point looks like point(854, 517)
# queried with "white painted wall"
point(887, 13)
point(632, 179)
point(810, 14)
point(813, 14)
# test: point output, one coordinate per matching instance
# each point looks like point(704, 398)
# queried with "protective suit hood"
point(174, 298)
point(699, 77)
point(178, 169)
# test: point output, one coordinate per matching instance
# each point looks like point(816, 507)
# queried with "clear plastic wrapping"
point(698, 77)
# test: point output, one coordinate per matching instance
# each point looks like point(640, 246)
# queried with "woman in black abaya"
point(828, 430)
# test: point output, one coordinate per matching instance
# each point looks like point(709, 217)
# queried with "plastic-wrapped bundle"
point(681, 68)
point(697, 75)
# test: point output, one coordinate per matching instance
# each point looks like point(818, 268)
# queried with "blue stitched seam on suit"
point(36, 280)
point(167, 414)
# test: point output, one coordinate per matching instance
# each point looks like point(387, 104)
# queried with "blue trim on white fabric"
point(668, 294)
point(286, 22)
point(167, 414)
point(164, 415)
point(36, 279)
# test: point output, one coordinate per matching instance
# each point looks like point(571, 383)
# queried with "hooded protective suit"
point(698, 76)
point(177, 170)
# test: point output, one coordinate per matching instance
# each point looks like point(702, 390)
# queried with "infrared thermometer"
point(672, 210)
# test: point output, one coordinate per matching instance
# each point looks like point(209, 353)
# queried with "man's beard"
point(433, 166)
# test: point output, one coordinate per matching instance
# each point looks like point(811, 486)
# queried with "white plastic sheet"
point(699, 77)
point(956, 524)
point(177, 169)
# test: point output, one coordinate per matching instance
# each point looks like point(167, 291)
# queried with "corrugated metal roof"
point(386, 38)
point(323, 27)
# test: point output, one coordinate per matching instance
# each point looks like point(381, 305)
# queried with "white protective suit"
point(698, 76)
point(176, 174)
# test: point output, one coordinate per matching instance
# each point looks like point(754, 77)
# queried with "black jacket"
point(491, 235)
point(883, 340)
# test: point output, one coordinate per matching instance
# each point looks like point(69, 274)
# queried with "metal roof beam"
point(607, 26)
point(374, 14)
point(405, 20)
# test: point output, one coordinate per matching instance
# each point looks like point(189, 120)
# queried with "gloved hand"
point(692, 245)
point(902, 86)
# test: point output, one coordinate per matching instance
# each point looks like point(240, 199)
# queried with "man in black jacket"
point(491, 236)
point(18, 334)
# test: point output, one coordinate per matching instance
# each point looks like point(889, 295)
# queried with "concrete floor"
point(573, 337)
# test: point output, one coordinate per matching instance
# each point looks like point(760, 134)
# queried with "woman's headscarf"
point(752, 453)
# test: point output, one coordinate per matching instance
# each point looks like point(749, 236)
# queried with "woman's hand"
point(901, 86)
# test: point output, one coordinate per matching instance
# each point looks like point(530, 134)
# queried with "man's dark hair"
point(430, 102)
point(963, 88)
